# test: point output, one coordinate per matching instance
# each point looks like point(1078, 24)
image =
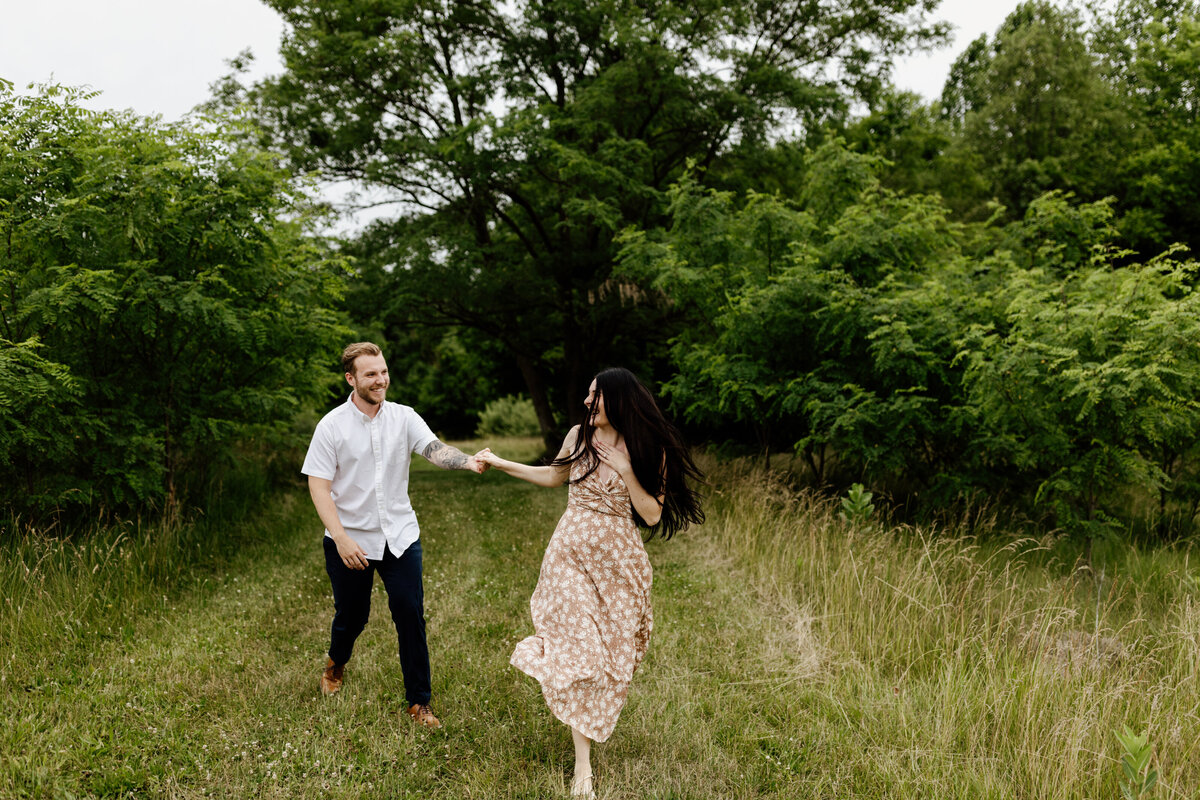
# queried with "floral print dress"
point(591, 608)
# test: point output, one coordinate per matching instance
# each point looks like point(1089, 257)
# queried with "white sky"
point(925, 74)
point(154, 56)
point(160, 56)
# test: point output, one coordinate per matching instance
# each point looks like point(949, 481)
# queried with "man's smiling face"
point(370, 379)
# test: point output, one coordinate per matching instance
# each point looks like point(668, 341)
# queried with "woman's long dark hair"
point(661, 461)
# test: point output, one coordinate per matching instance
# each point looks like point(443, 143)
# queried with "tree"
point(36, 397)
point(1031, 361)
point(913, 138)
point(714, 262)
point(518, 139)
point(162, 301)
point(1090, 389)
point(1150, 54)
point(1034, 111)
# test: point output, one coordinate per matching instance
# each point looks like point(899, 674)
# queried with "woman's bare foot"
point(581, 786)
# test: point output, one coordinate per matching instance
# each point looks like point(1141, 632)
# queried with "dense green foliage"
point(954, 300)
point(1101, 105)
point(161, 302)
point(970, 299)
point(1030, 359)
point(508, 416)
point(976, 298)
point(518, 139)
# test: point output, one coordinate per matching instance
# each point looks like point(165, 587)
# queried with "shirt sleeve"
point(321, 460)
point(419, 433)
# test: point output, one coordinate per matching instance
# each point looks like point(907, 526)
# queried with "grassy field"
point(793, 656)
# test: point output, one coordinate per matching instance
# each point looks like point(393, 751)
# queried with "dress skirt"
point(591, 608)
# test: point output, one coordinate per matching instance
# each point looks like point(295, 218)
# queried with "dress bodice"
point(607, 495)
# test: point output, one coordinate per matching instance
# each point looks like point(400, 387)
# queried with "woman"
point(628, 467)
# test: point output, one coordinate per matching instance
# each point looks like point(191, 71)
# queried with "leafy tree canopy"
point(517, 139)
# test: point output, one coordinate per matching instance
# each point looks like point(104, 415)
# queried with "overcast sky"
point(160, 56)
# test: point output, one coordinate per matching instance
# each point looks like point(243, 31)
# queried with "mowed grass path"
point(214, 693)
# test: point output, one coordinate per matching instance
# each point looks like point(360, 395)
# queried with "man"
point(357, 468)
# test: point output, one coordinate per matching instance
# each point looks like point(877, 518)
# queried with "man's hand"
point(351, 554)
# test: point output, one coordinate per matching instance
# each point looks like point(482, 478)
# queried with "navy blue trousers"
point(406, 599)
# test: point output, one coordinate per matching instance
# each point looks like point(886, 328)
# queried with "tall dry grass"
point(978, 665)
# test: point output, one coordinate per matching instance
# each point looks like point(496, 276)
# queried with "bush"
point(511, 415)
point(165, 302)
point(1033, 362)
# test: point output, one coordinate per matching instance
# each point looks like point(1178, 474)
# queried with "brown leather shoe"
point(421, 715)
point(331, 678)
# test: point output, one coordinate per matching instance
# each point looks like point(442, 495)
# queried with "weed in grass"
point(857, 505)
point(1135, 763)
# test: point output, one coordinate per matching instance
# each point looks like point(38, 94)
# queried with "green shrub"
point(165, 300)
point(511, 415)
point(857, 506)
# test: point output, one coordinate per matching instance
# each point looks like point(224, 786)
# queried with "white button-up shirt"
point(367, 460)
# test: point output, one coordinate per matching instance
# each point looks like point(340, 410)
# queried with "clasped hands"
point(479, 462)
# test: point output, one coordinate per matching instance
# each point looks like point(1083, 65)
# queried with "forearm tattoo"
point(445, 456)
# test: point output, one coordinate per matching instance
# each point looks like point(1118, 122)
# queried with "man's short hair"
point(355, 350)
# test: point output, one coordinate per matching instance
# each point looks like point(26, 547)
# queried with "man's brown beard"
point(364, 395)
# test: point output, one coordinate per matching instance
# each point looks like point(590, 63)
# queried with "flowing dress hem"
point(595, 734)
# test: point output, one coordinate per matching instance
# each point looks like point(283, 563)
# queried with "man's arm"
point(447, 456)
point(352, 555)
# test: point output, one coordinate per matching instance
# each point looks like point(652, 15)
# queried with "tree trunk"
point(816, 464)
point(169, 455)
point(541, 403)
point(1168, 461)
point(574, 388)
point(168, 465)
point(764, 441)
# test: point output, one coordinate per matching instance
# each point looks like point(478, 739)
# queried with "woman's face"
point(595, 404)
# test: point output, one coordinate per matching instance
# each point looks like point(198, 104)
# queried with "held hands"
point(479, 462)
point(613, 458)
point(488, 458)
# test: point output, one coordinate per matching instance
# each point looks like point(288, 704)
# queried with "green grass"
point(793, 656)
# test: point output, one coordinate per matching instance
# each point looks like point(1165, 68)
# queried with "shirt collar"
point(358, 412)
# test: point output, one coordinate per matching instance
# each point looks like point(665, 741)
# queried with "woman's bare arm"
point(547, 476)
